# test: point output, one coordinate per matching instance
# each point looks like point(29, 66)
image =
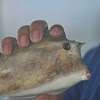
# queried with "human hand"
point(41, 97)
point(33, 33)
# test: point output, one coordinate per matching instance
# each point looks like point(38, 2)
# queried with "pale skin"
point(33, 33)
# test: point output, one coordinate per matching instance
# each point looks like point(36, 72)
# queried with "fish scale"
point(49, 67)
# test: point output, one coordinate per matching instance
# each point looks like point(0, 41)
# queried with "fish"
point(51, 66)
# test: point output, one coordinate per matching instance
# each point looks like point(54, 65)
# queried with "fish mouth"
point(86, 75)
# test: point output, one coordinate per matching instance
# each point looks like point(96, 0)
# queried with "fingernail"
point(23, 40)
point(6, 50)
point(35, 36)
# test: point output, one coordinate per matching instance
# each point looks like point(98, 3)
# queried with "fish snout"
point(86, 75)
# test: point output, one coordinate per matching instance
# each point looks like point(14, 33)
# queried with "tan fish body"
point(51, 66)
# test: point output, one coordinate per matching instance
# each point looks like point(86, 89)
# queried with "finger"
point(57, 31)
point(37, 29)
point(7, 45)
point(23, 36)
point(42, 97)
point(50, 97)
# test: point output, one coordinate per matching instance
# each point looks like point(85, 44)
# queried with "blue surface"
point(88, 90)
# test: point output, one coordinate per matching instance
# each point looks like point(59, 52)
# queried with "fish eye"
point(66, 46)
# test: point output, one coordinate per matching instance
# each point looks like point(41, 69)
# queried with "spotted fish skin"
point(41, 64)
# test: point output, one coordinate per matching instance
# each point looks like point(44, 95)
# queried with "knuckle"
point(39, 24)
point(24, 30)
point(7, 40)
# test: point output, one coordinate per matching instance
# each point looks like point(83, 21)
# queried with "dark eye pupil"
point(66, 46)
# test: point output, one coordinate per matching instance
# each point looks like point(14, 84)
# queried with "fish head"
point(69, 60)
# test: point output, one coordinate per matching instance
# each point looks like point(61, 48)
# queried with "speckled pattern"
point(38, 64)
